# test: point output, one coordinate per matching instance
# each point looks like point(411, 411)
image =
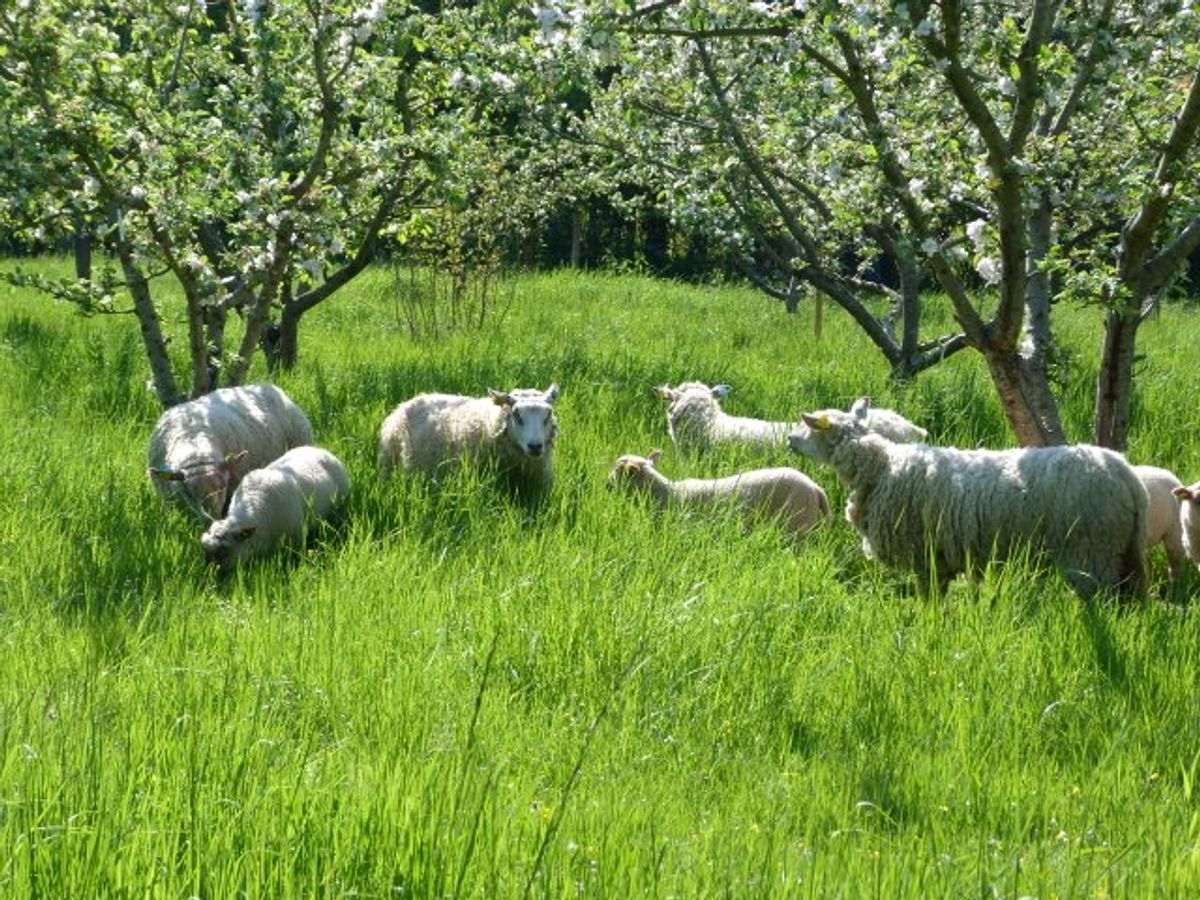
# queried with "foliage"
point(1042, 150)
point(422, 701)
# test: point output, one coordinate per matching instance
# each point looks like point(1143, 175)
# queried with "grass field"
point(458, 695)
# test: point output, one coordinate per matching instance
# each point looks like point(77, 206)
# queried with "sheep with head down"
point(275, 506)
point(200, 450)
point(515, 430)
point(781, 494)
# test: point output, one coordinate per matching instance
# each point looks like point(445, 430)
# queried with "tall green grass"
point(455, 694)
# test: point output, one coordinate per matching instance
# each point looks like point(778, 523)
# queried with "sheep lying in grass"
point(884, 422)
point(200, 450)
point(1164, 524)
point(939, 511)
point(696, 421)
point(786, 495)
point(1189, 519)
point(275, 505)
point(516, 430)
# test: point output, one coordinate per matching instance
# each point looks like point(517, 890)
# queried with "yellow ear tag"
point(822, 423)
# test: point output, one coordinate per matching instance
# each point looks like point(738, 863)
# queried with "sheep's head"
point(1188, 494)
point(225, 542)
point(529, 423)
point(205, 485)
point(694, 405)
point(820, 432)
point(634, 473)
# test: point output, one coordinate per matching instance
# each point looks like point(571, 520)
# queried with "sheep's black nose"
point(535, 449)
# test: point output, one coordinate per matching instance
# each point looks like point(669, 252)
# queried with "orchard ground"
point(455, 694)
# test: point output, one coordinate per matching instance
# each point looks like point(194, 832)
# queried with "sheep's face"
point(693, 407)
point(205, 486)
point(529, 422)
point(225, 543)
point(633, 473)
point(820, 432)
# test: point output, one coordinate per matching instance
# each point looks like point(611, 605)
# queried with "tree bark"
point(81, 244)
point(152, 336)
point(289, 337)
point(1114, 385)
point(1025, 397)
point(576, 237)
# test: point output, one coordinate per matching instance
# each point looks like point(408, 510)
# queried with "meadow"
point(457, 695)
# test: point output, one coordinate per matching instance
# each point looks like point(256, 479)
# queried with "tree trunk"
point(82, 245)
point(576, 238)
point(1114, 386)
point(1026, 398)
point(152, 336)
point(289, 338)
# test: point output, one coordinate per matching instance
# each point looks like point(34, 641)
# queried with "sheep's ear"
point(666, 392)
point(500, 398)
point(1183, 493)
point(654, 457)
point(162, 473)
point(861, 407)
point(817, 423)
point(551, 393)
point(720, 390)
point(232, 459)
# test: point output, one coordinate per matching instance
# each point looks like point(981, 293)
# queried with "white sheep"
point(516, 430)
point(1189, 519)
point(884, 422)
point(939, 511)
point(200, 450)
point(276, 504)
point(1164, 525)
point(786, 495)
point(696, 421)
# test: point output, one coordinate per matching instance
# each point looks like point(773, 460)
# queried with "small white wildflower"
point(929, 246)
point(988, 270)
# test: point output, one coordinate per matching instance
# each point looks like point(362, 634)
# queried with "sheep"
point(940, 511)
point(1189, 519)
point(696, 421)
point(1164, 516)
point(274, 505)
point(884, 422)
point(516, 430)
point(784, 494)
point(200, 450)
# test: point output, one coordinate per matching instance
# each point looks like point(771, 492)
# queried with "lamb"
point(696, 421)
point(1164, 517)
point(200, 450)
point(884, 422)
point(516, 430)
point(939, 511)
point(1189, 519)
point(783, 494)
point(275, 505)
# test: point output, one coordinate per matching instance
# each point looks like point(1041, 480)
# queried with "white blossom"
point(137, 192)
point(924, 28)
point(988, 270)
point(917, 186)
point(975, 232)
point(929, 246)
point(1007, 87)
point(502, 81)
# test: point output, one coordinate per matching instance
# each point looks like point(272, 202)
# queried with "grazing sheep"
point(275, 505)
point(1164, 514)
point(516, 430)
point(783, 494)
point(884, 422)
point(696, 421)
point(200, 450)
point(939, 511)
point(1189, 519)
